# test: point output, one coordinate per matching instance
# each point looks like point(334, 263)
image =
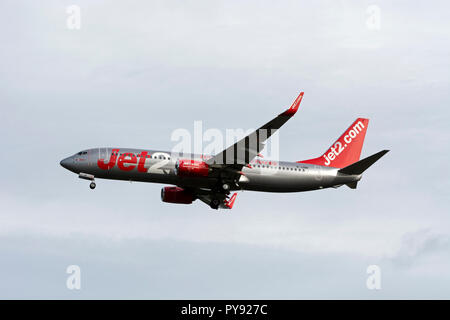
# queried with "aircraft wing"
point(216, 199)
point(246, 149)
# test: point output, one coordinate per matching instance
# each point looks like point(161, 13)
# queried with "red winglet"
point(293, 109)
point(230, 202)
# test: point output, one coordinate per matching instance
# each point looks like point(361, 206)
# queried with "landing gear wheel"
point(226, 187)
point(92, 185)
point(214, 204)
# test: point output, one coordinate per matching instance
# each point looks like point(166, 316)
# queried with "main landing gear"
point(92, 185)
point(214, 204)
point(225, 186)
point(222, 187)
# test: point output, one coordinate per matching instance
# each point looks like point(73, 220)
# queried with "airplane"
point(211, 179)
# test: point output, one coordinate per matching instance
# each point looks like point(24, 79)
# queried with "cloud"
point(137, 71)
point(418, 248)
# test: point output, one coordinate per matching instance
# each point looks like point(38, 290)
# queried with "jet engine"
point(191, 168)
point(176, 195)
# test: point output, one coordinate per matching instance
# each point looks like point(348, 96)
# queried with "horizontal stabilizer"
point(352, 185)
point(362, 165)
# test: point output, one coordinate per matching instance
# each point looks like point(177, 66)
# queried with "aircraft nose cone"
point(66, 163)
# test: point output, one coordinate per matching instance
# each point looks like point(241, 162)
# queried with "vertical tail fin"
point(347, 149)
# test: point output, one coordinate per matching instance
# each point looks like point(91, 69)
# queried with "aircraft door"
point(103, 154)
point(89, 156)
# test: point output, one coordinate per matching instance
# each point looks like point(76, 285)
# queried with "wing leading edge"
point(245, 150)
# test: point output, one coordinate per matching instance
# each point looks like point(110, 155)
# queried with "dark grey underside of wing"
point(246, 149)
point(206, 196)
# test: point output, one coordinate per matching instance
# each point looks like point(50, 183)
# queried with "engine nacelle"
point(176, 195)
point(191, 168)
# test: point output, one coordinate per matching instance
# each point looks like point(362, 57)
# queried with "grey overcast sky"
point(137, 70)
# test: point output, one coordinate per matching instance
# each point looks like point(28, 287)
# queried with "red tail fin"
point(347, 149)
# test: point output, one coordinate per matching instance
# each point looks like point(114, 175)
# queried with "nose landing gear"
point(89, 177)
